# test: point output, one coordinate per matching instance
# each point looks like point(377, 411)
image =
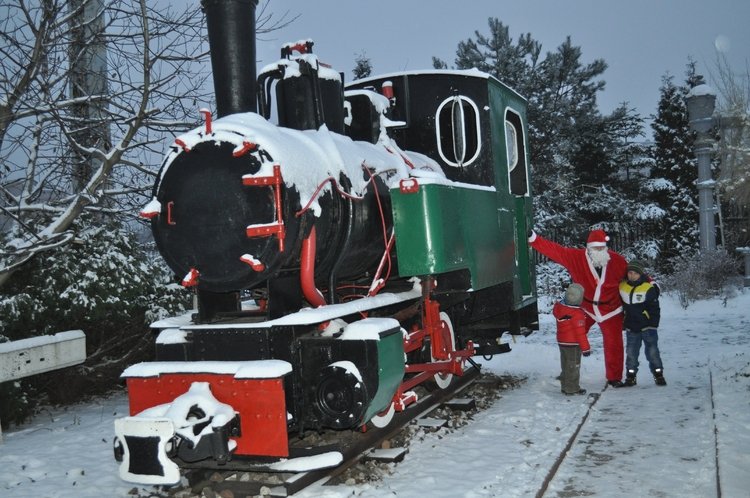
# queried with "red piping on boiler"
point(307, 271)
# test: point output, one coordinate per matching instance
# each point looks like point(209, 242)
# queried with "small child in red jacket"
point(572, 339)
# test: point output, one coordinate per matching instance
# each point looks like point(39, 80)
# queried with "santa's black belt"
point(595, 302)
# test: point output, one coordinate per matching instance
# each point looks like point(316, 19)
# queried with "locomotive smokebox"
point(231, 37)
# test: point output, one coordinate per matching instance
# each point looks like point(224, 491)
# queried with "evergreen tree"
point(439, 63)
point(363, 67)
point(562, 98)
point(674, 172)
point(498, 55)
point(608, 161)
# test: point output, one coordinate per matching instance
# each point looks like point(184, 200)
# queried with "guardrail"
point(41, 354)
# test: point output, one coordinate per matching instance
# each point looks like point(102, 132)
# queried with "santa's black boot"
point(659, 377)
point(630, 379)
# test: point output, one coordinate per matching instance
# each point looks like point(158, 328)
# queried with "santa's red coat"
point(601, 294)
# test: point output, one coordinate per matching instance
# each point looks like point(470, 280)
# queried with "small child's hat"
point(637, 266)
point(574, 295)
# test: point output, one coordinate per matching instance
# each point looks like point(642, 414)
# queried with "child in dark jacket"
point(571, 338)
point(640, 301)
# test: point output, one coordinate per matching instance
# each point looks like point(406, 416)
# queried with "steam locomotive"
point(345, 244)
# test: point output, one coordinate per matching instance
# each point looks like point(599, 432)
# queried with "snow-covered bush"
point(704, 275)
point(104, 285)
point(104, 279)
point(551, 281)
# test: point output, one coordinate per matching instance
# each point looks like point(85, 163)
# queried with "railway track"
point(582, 449)
point(571, 440)
point(356, 446)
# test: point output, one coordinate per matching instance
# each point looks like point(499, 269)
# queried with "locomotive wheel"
point(444, 380)
point(341, 397)
point(384, 418)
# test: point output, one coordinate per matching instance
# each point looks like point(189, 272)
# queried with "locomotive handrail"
point(320, 187)
point(207, 116)
point(377, 282)
point(278, 226)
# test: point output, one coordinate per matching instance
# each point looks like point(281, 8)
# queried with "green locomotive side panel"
point(390, 370)
point(514, 188)
point(442, 228)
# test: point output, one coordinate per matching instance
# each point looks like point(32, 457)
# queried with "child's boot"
point(630, 378)
point(659, 377)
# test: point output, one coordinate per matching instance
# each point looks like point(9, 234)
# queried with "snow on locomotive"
point(379, 230)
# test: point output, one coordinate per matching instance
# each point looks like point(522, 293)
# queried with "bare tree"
point(734, 111)
point(54, 116)
point(153, 77)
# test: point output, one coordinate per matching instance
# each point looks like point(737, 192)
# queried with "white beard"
point(599, 258)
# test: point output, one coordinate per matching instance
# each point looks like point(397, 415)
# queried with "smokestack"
point(231, 37)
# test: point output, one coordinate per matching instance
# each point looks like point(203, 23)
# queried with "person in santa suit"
point(600, 272)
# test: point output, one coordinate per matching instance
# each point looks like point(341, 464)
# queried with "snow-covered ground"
point(640, 441)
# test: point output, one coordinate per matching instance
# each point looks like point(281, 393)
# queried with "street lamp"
point(700, 105)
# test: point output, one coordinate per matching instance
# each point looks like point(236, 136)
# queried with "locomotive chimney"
point(231, 38)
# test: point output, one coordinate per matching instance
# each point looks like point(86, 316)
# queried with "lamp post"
point(700, 105)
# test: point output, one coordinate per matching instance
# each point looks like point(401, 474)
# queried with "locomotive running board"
point(309, 316)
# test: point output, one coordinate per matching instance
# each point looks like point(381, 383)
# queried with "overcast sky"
point(641, 40)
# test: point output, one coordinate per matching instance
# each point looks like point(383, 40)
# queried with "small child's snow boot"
point(630, 379)
point(659, 377)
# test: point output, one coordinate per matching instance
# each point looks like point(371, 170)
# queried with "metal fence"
point(621, 238)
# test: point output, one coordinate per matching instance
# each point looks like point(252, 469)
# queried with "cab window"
point(458, 132)
point(514, 144)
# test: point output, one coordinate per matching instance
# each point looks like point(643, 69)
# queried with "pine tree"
point(363, 66)
point(438, 63)
point(608, 162)
point(674, 172)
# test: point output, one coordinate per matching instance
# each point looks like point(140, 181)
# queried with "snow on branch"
point(90, 97)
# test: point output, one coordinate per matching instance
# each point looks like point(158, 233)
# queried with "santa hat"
point(597, 238)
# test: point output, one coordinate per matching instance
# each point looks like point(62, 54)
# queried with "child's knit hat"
point(637, 266)
point(574, 295)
